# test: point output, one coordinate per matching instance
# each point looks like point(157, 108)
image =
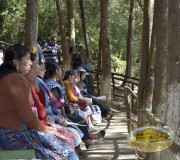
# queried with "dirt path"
point(114, 145)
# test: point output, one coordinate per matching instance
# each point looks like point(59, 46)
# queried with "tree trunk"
point(65, 47)
point(149, 83)
point(84, 30)
point(31, 25)
point(99, 65)
point(106, 55)
point(167, 107)
point(172, 115)
point(129, 46)
point(144, 59)
point(71, 23)
point(2, 9)
point(160, 96)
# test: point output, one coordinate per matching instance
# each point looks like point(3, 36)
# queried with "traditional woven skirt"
point(46, 146)
point(70, 134)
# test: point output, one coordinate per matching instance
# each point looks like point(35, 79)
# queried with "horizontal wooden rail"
point(126, 76)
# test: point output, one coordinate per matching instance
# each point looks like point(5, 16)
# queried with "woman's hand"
point(63, 121)
point(52, 131)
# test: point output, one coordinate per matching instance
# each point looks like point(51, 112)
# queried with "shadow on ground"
point(114, 145)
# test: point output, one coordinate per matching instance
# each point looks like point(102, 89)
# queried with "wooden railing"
point(117, 80)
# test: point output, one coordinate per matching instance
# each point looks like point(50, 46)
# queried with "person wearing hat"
point(40, 42)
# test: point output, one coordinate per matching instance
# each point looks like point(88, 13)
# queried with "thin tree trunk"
point(106, 55)
point(149, 83)
point(129, 46)
point(2, 9)
point(71, 23)
point(31, 25)
point(99, 65)
point(65, 47)
point(144, 60)
point(84, 30)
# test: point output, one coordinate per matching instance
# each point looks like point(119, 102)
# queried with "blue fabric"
point(50, 107)
point(104, 110)
point(40, 53)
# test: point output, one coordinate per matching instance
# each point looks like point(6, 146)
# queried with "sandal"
point(82, 154)
point(94, 142)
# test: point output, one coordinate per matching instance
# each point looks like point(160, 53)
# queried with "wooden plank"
point(17, 154)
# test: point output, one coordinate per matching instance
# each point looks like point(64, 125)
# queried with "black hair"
point(41, 63)
point(81, 73)
point(52, 38)
point(16, 51)
point(33, 56)
point(72, 49)
point(67, 74)
point(51, 69)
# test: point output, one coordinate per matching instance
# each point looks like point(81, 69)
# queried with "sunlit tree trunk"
point(70, 23)
point(129, 46)
point(106, 55)
point(166, 99)
point(31, 25)
point(65, 47)
point(88, 54)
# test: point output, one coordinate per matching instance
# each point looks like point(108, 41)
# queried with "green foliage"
point(118, 65)
point(14, 21)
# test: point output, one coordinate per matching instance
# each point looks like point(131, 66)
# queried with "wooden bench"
point(17, 154)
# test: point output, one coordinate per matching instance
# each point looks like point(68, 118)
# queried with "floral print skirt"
point(46, 146)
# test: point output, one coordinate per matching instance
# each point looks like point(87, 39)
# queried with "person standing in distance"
point(76, 59)
point(40, 42)
point(52, 51)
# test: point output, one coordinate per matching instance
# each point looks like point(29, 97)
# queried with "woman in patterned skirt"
point(15, 112)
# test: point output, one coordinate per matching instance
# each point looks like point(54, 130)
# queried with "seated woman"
point(79, 95)
point(69, 82)
point(105, 112)
point(68, 133)
point(52, 70)
point(19, 126)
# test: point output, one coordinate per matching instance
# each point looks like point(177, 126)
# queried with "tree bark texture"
point(129, 46)
point(99, 65)
point(144, 54)
point(159, 105)
point(149, 83)
point(31, 25)
point(160, 96)
point(2, 9)
point(106, 55)
point(70, 23)
point(172, 114)
point(65, 47)
point(86, 39)
point(144, 59)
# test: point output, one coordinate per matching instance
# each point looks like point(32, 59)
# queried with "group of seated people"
point(45, 108)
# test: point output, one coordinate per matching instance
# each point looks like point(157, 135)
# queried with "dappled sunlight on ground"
point(114, 145)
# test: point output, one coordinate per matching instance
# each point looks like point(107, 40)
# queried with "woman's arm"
point(20, 94)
